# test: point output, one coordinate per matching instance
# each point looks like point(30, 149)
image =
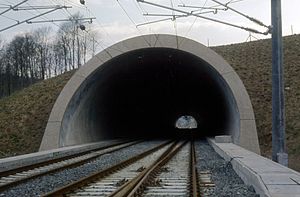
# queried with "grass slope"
point(23, 116)
point(252, 61)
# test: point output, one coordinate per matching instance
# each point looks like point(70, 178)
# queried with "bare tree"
point(42, 39)
point(20, 69)
point(2, 67)
point(43, 53)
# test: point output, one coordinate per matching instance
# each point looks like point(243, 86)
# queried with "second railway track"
point(16, 176)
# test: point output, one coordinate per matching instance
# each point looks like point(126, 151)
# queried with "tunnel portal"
point(140, 93)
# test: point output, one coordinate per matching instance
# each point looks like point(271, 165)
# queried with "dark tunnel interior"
point(142, 93)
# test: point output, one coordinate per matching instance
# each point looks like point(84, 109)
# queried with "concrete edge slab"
point(223, 139)
point(263, 174)
point(11, 163)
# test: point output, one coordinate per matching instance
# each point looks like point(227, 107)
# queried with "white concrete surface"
point(38, 157)
point(223, 139)
point(59, 133)
point(267, 177)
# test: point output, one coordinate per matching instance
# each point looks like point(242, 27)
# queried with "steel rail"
point(91, 155)
point(194, 176)
point(200, 184)
point(43, 163)
point(63, 191)
point(137, 185)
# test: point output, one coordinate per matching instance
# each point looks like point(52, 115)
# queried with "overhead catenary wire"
point(97, 20)
point(102, 45)
point(42, 14)
point(135, 25)
point(112, 41)
point(126, 13)
point(35, 8)
point(30, 7)
point(70, 16)
point(142, 11)
point(12, 7)
point(100, 23)
point(214, 10)
point(92, 37)
point(176, 16)
point(242, 14)
point(202, 8)
point(147, 14)
point(77, 34)
point(191, 27)
point(9, 18)
point(61, 20)
point(175, 24)
point(171, 18)
point(250, 37)
point(29, 11)
point(210, 7)
point(160, 20)
point(20, 8)
point(39, 15)
point(217, 7)
point(207, 18)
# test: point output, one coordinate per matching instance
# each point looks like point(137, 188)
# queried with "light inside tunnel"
point(186, 122)
point(141, 93)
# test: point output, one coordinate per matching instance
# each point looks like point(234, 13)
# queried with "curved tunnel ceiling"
point(143, 91)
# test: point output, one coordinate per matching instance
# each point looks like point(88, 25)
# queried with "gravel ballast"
point(48, 183)
point(227, 182)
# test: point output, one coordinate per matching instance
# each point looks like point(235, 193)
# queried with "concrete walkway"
point(267, 177)
point(42, 156)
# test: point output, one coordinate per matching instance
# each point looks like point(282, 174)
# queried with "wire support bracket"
point(268, 31)
point(34, 17)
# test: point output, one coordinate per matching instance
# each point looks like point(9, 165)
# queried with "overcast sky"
point(113, 24)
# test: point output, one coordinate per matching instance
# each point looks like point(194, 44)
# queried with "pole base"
point(282, 158)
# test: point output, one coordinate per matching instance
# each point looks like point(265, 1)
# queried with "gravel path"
point(47, 183)
point(227, 182)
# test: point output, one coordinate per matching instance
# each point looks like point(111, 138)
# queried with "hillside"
point(252, 61)
point(23, 116)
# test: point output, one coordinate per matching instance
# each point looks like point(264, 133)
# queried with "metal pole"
point(93, 47)
point(278, 113)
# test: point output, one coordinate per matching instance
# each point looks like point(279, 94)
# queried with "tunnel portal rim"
point(247, 131)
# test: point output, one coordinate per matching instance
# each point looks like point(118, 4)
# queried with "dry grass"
point(23, 116)
point(253, 63)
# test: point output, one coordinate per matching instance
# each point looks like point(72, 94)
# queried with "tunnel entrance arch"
point(119, 91)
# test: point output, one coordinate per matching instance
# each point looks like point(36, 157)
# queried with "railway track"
point(16, 176)
point(166, 170)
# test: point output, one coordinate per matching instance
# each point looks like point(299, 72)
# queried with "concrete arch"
point(94, 103)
